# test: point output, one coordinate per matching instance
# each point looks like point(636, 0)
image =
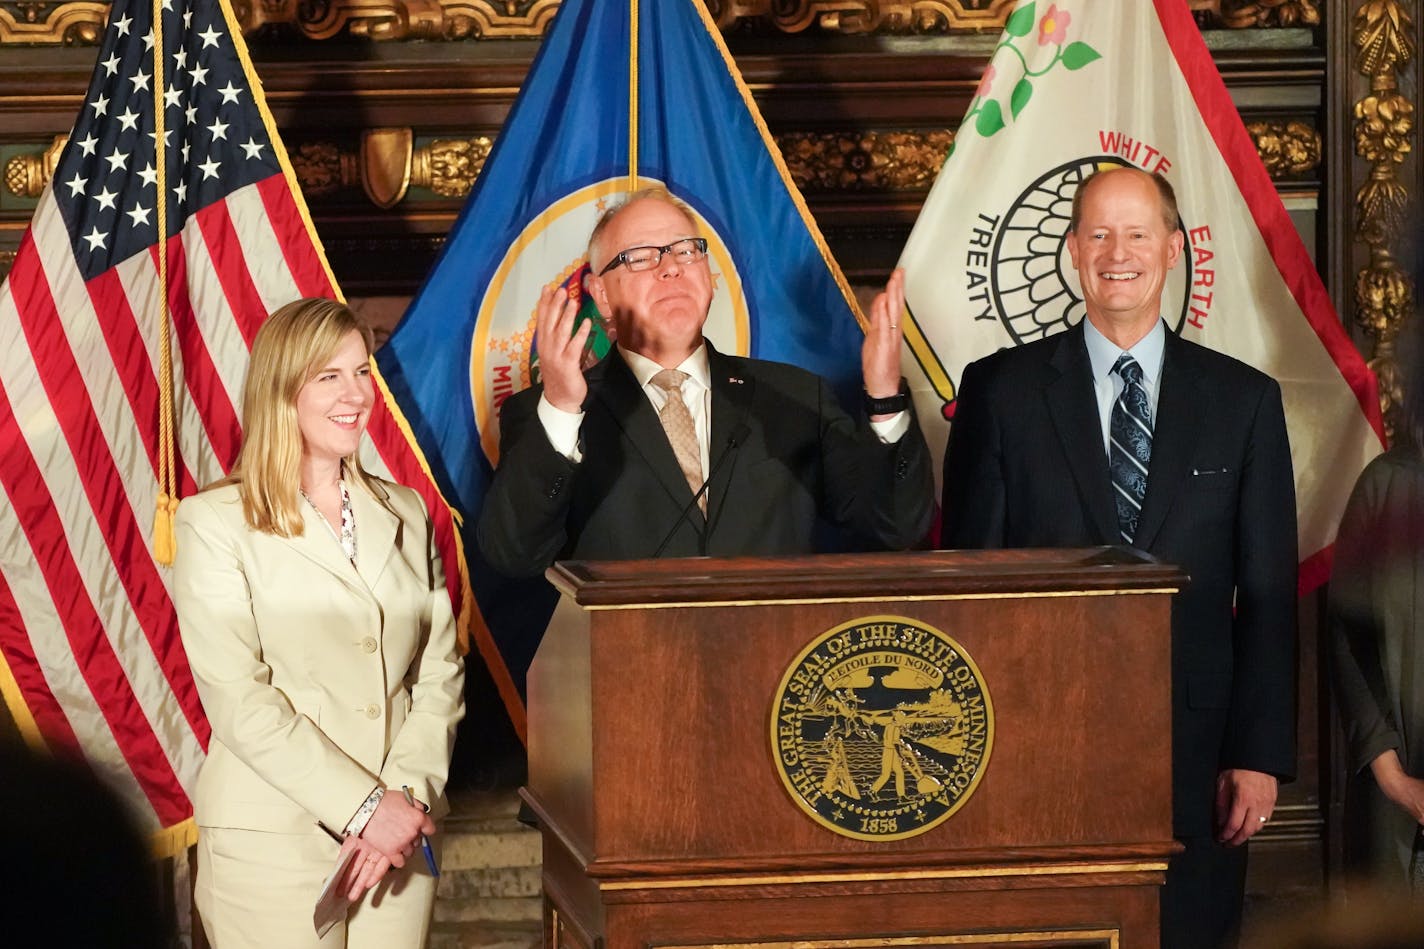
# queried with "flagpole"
point(632, 95)
point(171, 841)
point(164, 542)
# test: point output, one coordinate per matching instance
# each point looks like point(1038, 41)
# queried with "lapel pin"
point(737, 380)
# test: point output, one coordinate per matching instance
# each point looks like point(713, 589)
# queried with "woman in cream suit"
point(313, 609)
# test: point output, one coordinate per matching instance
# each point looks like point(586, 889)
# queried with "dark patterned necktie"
point(1130, 454)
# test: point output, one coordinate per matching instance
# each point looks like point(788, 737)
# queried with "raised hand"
point(561, 349)
point(880, 354)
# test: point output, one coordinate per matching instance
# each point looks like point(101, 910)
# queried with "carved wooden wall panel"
point(864, 131)
point(40, 22)
point(1385, 44)
point(71, 22)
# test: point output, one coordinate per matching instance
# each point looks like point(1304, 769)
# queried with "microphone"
point(738, 434)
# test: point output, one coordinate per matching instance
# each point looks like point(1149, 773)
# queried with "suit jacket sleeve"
point(883, 491)
point(1261, 729)
point(522, 526)
point(974, 493)
point(1363, 556)
point(224, 646)
point(419, 757)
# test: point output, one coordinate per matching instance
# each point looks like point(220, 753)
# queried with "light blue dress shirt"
point(1103, 354)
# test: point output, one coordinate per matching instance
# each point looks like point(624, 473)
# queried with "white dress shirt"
point(562, 428)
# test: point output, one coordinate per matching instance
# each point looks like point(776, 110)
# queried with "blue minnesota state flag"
point(621, 95)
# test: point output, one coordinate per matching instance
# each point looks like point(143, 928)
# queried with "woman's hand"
point(395, 827)
point(368, 865)
point(1405, 791)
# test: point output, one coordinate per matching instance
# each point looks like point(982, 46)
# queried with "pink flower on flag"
point(1053, 28)
point(985, 81)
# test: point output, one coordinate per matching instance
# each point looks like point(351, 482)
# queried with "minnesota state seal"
point(881, 728)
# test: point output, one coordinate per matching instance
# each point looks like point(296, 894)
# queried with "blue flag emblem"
point(605, 109)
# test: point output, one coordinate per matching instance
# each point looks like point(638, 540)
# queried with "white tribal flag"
point(1084, 84)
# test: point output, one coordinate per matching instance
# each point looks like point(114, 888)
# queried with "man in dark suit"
point(611, 463)
point(1119, 432)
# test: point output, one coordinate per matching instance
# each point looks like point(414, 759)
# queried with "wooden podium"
point(698, 727)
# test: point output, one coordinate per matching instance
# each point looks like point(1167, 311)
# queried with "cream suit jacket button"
point(369, 644)
point(373, 711)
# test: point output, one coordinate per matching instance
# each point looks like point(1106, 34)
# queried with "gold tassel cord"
point(165, 545)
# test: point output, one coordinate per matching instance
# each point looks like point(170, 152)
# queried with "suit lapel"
point(1174, 436)
point(732, 392)
point(629, 406)
point(317, 545)
point(1073, 407)
point(376, 529)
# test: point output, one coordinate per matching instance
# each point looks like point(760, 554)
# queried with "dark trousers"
point(1201, 903)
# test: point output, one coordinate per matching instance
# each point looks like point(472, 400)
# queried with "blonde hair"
point(650, 193)
point(295, 343)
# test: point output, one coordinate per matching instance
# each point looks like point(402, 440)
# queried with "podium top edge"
point(879, 576)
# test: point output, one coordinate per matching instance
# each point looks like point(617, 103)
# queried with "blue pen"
point(424, 841)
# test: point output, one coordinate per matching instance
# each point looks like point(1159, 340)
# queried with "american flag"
point(90, 659)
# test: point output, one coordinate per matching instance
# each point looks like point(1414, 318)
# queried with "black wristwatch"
point(890, 404)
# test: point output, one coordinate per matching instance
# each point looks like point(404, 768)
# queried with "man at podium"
point(667, 447)
point(1119, 432)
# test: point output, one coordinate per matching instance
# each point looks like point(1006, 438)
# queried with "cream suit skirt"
point(257, 890)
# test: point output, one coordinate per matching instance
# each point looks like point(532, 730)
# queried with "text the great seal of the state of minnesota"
point(881, 728)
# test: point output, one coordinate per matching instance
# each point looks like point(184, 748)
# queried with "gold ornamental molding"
point(46, 23)
point(1383, 37)
point(869, 161)
point(1248, 14)
point(322, 168)
point(389, 163)
point(401, 19)
point(27, 175)
point(1287, 149)
point(80, 22)
point(386, 166)
point(449, 166)
point(865, 16)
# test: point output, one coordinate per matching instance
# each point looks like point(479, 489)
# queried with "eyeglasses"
point(689, 250)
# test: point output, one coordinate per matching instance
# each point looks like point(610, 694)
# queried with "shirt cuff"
point(362, 817)
point(562, 429)
point(892, 429)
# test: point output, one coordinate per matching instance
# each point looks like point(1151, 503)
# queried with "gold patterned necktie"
point(681, 433)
